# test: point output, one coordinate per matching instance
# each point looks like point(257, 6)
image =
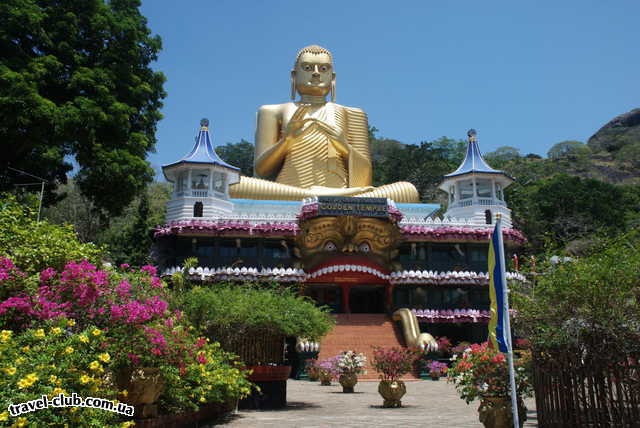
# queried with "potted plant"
point(482, 373)
point(349, 365)
point(391, 364)
point(327, 371)
point(436, 369)
point(313, 369)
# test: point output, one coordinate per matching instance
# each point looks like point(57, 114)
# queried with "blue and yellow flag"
point(497, 287)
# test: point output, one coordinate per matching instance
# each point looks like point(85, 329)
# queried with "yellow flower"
point(25, 349)
point(95, 365)
point(71, 323)
point(5, 335)
point(39, 333)
point(53, 379)
point(85, 379)
point(4, 416)
point(57, 391)
point(22, 422)
point(56, 330)
point(73, 409)
point(202, 399)
point(128, 424)
point(96, 332)
point(124, 393)
point(68, 350)
point(10, 371)
point(105, 358)
point(27, 381)
point(84, 339)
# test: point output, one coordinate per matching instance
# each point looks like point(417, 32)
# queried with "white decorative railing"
point(438, 222)
point(242, 274)
point(444, 278)
point(298, 275)
point(477, 201)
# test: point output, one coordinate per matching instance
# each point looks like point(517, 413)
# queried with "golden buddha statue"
point(313, 147)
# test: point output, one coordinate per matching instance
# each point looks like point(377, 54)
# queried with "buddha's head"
point(313, 73)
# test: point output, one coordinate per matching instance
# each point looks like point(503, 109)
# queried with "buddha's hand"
point(295, 126)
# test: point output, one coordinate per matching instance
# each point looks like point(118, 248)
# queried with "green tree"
point(422, 165)
point(568, 149)
point(76, 81)
point(501, 156)
point(239, 155)
point(126, 237)
point(564, 208)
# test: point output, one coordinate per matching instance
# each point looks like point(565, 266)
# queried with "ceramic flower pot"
point(495, 412)
point(434, 375)
point(144, 386)
point(392, 392)
point(348, 381)
point(325, 378)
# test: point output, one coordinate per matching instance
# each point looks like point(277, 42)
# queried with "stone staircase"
point(359, 332)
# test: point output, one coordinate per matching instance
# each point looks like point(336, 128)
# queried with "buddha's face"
point(313, 74)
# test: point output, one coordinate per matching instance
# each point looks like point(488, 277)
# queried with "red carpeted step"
point(360, 332)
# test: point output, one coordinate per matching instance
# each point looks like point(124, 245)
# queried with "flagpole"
point(507, 325)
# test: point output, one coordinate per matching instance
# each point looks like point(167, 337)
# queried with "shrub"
point(240, 309)
point(128, 310)
point(50, 360)
point(34, 246)
point(594, 299)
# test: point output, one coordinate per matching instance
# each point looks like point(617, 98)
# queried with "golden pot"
point(495, 412)
point(144, 386)
point(348, 381)
point(392, 392)
point(325, 378)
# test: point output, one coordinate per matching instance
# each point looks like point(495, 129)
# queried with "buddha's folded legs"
point(401, 192)
point(256, 188)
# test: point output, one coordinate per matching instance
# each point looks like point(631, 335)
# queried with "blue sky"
point(524, 74)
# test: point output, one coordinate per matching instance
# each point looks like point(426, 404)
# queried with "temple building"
point(311, 217)
point(356, 255)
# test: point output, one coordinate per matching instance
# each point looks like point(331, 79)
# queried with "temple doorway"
point(367, 299)
point(326, 295)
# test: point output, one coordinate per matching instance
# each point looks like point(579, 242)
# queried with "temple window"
point(483, 188)
point(275, 250)
point(198, 209)
point(228, 248)
point(466, 189)
point(248, 249)
point(219, 181)
point(182, 182)
point(200, 180)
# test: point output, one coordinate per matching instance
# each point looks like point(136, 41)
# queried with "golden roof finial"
point(472, 135)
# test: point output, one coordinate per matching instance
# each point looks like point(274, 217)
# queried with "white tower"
point(200, 181)
point(476, 191)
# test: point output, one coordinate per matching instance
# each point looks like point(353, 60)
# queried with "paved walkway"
point(426, 404)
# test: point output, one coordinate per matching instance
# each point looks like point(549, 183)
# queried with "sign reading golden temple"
point(363, 207)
